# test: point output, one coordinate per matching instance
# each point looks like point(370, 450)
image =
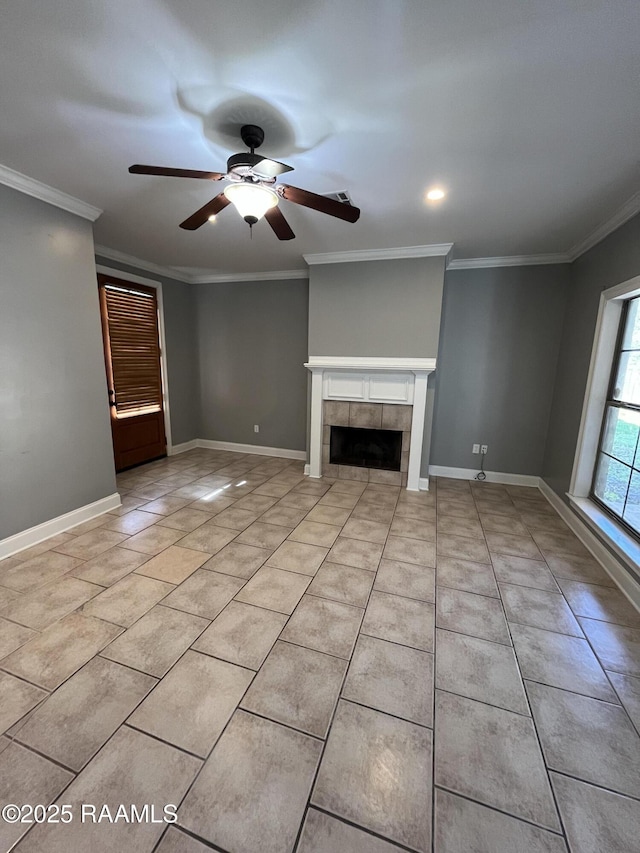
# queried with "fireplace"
point(366, 448)
point(370, 394)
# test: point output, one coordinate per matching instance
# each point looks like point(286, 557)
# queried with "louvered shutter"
point(132, 324)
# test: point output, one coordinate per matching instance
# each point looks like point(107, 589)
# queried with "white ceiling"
point(527, 112)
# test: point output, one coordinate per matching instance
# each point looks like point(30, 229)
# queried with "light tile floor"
point(321, 667)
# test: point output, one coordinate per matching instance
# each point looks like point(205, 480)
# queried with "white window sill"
point(624, 546)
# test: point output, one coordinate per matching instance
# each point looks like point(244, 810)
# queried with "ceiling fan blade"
point(279, 224)
point(210, 209)
point(137, 169)
point(319, 202)
point(270, 168)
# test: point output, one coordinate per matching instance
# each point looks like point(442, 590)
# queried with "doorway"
point(132, 353)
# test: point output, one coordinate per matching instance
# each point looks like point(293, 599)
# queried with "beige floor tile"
point(348, 487)
point(352, 785)
point(242, 634)
point(193, 703)
point(517, 546)
point(617, 647)
point(132, 522)
point(173, 565)
point(174, 841)
point(479, 669)
point(186, 519)
point(264, 535)
point(165, 505)
point(406, 579)
point(129, 502)
point(628, 690)
point(492, 756)
point(241, 561)
point(18, 698)
point(523, 572)
point(410, 551)
point(27, 778)
point(470, 527)
point(346, 584)
point(235, 518)
point(13, 636)
point(295, 499)
point(391, 678)
point(327, 514)
point(539, 609)
point(314, 533)
point(51, 657)
point(110, 567)
point(204, 593)
point(256, 503)
point(353, 552)
point(274, 589)
point(326, 626)
point(157, 640)
point(372, 512)
point(39, 571)
point(462, 825)
point(131, 768)
point(458, 508)
point(298, 687)
point(91, 524)
point(599, 602)
point(559, 543)
point(339, 499)
point(322, 833)
point(213, 502)
point(400, 620)
point(368, 531)
point(252, 791)
point(596, 820)
point(502, 524)
point(415, 511)
point(471, 614)
point(560, 661)
point(91, 544)
point(463, 548)
point(586, 738)
point(154, 539)
point(7, 596)
point(151, 491)
point(576, 568)
point(466, 575)
point(285, 516)
point(126, 601)
point(49, 603)
point(84, 712)
point(272, 489)
point(298, 557)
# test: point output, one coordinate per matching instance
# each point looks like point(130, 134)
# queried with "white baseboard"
point(603, 555)
point(182, 448)
point(34, 535)
point(258, 449)
point(492, 476)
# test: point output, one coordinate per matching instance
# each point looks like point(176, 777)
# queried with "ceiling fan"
point(253, 189)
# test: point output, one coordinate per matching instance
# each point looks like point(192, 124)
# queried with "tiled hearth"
point(368, 416)
point(319, 666)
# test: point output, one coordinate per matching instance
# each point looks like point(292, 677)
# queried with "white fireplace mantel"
point(393, 381)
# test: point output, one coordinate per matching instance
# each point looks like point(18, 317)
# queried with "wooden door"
point(134, 376)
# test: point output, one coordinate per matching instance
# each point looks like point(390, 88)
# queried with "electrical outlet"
point(256, 428)
point(484, 449)
point(475, 448)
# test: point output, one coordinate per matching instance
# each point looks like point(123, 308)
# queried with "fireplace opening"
point(366, 448)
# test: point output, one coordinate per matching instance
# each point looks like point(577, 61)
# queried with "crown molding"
point(272, 275)
point(434, 250)
point(622, 215)
point(508, 261)
point(132, 261)
point(36, 189)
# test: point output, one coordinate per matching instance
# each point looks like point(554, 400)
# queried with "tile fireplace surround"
point(380, 393)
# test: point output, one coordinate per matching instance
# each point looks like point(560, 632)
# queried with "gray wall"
point(181, 354)
point(499, 345)
point(252, 347)
point(386, 308)
point(614, 260)
point(55, 440)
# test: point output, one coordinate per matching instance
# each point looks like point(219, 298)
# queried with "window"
point(616, 482)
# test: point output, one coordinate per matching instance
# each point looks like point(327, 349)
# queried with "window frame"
point(609, 402)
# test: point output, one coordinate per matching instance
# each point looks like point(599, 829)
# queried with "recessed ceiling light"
point(212, 218)
point(435, 194)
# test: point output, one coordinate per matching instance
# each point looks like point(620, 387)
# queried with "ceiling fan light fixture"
point(251, 201)
point(436, 194)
